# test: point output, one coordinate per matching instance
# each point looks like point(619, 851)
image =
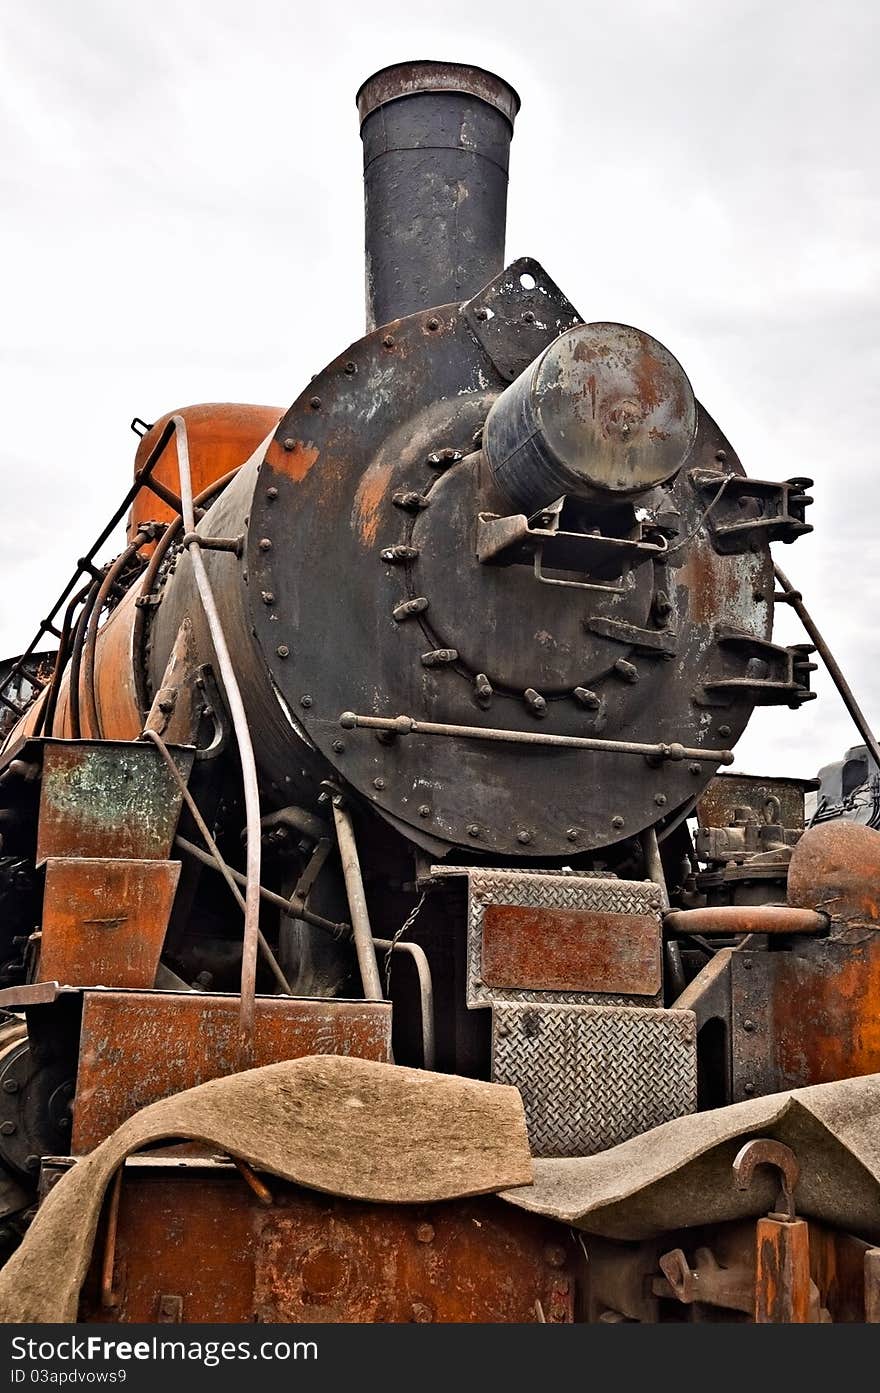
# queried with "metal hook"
point(763, 1152)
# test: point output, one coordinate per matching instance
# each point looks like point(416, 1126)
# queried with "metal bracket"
point(753, 509)
point(517, 315)
point(765, 672)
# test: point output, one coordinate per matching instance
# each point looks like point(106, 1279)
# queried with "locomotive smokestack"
point(436, 142)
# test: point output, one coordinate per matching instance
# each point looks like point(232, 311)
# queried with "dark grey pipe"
point(436, 140)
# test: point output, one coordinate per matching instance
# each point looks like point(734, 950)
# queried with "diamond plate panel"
point(593, 1076)
point(549, 891)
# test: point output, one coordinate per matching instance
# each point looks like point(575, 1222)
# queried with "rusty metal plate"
point(585, 896)
point(194, 1244)
point(726, 792)
point(807, 1016)
point(111, 798)
point(138, 1047)
point(571, 951)
point(104, 922)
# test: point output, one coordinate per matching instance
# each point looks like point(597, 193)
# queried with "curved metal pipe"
point(357, 903)
point(426, 992)
point(746, 919)
point(238, 716)
point(93, 724)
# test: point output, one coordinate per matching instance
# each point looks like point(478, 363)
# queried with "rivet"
point(747, 964)
point(265, 544)
point(305, 701)
point(315, 403)
point(721, 456)
point(424, 810)
point(289, 442)
point(617, 821)
point(388, 341)
point(535, 702)
point(695, 767)
point(572, 834)
point(724, 730)
point(660, 800)
point(339, 747)
point(473, 830)
point(272, 494)
point(8, 1128)
point(379, 783)
point(483, 691)
point(748, 1088)
point(268, 597)
point(589, 699)
point(528, 317)
point(481, 315)
point(282, 650)
point(748, 1026)
point(628, 671)
point(425, 1233)
point(523, 836)
point(433, 324)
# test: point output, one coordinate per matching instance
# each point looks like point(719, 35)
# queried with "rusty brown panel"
point(138, 1047)
point(104, 922)
point(836, 867)
point(825, 1010)
point(782, 1273)
point(201, 1235)
point(571, 950)
point(726, 792)
point(108, 798)
point(221, 436)
point(115, 690)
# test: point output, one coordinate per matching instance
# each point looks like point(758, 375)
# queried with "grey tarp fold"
point(341, 1125)
point(679, 1175)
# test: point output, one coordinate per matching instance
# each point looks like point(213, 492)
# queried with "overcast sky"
point(182, 222)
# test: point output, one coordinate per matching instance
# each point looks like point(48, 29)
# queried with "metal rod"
point(294, 908)
point(238, 716)
point(93, 724)
point(215, 857)
point(406, 725)
point(426, 993)
point(253, 1181)
point(357, 903)
point(76, 654)
point(792, 597)
point(109, 1298)
point(47, 715)
point(746, 919)
point(653, 864)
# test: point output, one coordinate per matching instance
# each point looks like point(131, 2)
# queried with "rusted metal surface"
point(606, 412)
point(746, 919)
point(763, 1151)
point(104, 921)
point(871, 1272)
point(317, 1258)
point(783, 1289)
point(107, 798)
point(779, 800)
point(174, 1041)
point(221, 436)
point(836, 867)
point(410, 79)
point(541, 949)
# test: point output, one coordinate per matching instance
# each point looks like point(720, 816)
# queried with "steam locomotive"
point(395, 731)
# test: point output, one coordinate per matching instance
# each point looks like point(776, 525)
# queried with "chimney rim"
point(429, 75)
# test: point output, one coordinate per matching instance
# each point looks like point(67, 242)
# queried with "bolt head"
point(433, 324)
point(315, 403)
point(10, 1085)
point(473, 830)
point(425, 1233)
point(282, 650)
point(724, 730)
point(617, 821)
point(721, 456)
point(272, 494)
point(7, 1129)
point(481, 315)
point(339, 746)
point(305, 701)
point(388, 341)
point(424, 810)
point(289, 442)
point(265, 544)
point(523, 836)
point(660, 799)
point(572, 834)
point(351, 368)
point(748, 1088)
point(748, 1026)
point(694, 768)
point(379, 783)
